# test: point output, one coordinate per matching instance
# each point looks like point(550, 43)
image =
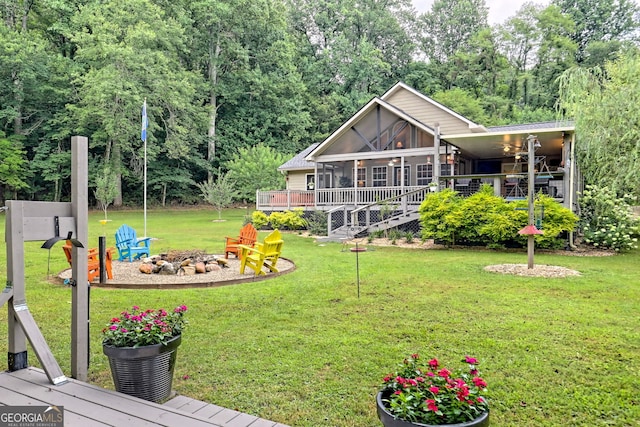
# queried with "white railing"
point(330, 197)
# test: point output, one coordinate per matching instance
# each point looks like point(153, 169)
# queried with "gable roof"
point(357, 118)
point(403, 95)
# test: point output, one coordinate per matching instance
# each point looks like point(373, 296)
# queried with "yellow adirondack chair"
point(264, 254)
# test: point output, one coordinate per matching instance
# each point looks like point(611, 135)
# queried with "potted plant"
point(430, 394)
point(433, 186)
point(142, 346)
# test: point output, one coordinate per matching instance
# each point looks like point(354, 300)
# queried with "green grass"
point(304, 350)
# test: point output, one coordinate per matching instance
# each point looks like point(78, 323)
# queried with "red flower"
point(433, 363)
point(415, 356)
point(434, 389)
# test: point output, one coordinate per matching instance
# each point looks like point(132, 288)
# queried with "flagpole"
point(145, 121)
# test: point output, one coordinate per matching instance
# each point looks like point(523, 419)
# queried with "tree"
point(13, 164)
point(131, 53)
point(449, 27)
point(254, 169)
point(604, 105)
point(219, 193)
point(599, 20)
point(106, 189)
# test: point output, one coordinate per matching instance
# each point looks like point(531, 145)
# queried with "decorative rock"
point(160, 262)
point(185, 263)
point(156, 268)
point(200, 267)
point(222, 262)
point(188, 270)
point(146, 268)
point(213, 267)
point(167, 269)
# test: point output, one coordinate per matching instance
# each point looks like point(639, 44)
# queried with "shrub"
point(607, 220)
point(433, 210)
point(484, 218)
point(408, 237)
point(317, 223)
point(289, 220)
point(259, 219)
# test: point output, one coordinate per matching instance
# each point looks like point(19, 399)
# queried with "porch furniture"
point(264, 254)
point(128, 244)
point(94, 261)
point(248, 236)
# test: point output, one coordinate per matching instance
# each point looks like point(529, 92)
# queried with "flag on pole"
point(145, 121)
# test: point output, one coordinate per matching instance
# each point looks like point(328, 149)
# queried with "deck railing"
point(328, 198)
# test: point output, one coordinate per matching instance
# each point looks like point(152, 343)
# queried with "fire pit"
point(183, 263)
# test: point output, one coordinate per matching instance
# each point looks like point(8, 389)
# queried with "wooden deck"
point(86, 405)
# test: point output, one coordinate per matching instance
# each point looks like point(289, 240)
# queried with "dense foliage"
point(486, 219)
point(222, 77)
point(607, 220)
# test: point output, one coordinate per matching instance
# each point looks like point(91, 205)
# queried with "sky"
point(499, 10)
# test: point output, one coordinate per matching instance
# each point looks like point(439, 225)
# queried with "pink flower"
point(479, 382)
point(434, 389)
point(431, 405)
point(433, 363)
point(113, 327)
point(397, 392)
point(444, 373)
point(471, 360)
point(135, 308)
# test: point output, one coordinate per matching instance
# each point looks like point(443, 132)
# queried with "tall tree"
point(450, 26)
point(600, 20)
point(129, 49)
point(351, 50)
point(603, 103)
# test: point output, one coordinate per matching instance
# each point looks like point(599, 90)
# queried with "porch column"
point(404, 198)
point(356, 199)
point(436, 157)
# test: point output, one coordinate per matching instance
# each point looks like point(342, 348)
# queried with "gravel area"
point(127, 275)
point(551, 271)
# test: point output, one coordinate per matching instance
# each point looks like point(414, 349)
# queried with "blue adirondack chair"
point(128, 244)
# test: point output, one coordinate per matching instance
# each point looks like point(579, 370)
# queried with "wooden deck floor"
point(86, 405)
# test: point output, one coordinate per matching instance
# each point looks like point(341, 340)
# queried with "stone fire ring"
point(126, 275)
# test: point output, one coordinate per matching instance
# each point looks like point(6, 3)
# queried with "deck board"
point(89, 405)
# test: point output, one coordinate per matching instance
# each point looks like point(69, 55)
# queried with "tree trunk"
point(214, 54)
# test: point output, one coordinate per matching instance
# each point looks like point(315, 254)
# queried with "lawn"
point(304, 350)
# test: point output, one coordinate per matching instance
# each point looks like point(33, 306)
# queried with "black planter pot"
point(388, 420)
point(144, 372)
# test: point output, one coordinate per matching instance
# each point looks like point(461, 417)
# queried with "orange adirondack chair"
point(248, 236)
point(264, 254)
point(93, 265)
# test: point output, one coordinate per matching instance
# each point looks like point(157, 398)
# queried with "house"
point(403, 144)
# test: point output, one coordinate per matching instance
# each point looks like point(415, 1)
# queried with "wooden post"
point(531, 197)
point(80, 292)
point(50, 221)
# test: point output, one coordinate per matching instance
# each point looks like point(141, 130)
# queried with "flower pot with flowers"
point(142, 346)
point(429, 394)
